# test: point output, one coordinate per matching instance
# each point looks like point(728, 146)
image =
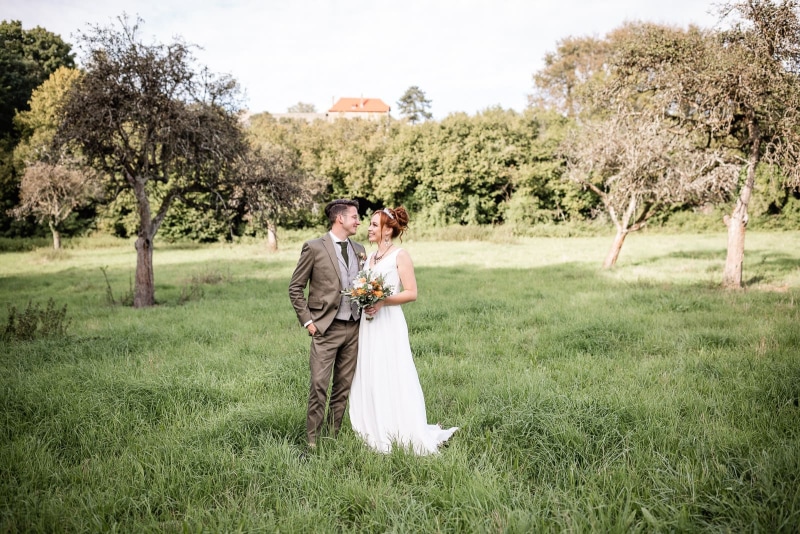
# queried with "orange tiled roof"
point(364, 105)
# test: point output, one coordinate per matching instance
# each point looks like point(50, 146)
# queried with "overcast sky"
point(466, 55)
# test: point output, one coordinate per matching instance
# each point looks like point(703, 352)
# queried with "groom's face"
point(350, 220)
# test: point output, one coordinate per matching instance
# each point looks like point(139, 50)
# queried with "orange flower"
point(368, 289)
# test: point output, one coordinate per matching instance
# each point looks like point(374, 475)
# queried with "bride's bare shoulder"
point(403, 255)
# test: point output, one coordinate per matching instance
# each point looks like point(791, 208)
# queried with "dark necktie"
point(343, 244)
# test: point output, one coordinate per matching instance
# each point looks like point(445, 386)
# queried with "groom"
point(327, 265)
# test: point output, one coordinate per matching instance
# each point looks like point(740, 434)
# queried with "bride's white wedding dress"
point(387, 406)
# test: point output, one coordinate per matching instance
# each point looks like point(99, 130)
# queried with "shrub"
point(35, 322)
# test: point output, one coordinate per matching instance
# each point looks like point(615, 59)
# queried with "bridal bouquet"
point(368, 288)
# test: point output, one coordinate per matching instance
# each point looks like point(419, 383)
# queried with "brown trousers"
point(334, 352)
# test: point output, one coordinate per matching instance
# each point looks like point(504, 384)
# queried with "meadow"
point(643, 398)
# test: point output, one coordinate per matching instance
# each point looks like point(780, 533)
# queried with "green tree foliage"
point(401, 167)
point(350, 152)
point(38, 124)
point(644, 103)
point(27, 58)
point(200, 221)
point(462, 170)
point(342, 155)
point(473, 166)
point(467, 168)
point(539, 195)
point(773, 196)
point(638, 153)
point(300, 144)
point(567, 73)
point(414, 107)
point(666, 116)
point(117, 216)
point(53, 187)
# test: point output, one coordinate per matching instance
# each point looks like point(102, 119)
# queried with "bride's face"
point(374, 231)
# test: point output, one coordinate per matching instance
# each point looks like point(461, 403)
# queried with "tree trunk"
point(144, 291)
point(56, 236)
point(737, 222)
point(272, 237)
point(616, 247)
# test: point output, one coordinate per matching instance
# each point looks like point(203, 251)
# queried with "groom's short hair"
point(337, 207)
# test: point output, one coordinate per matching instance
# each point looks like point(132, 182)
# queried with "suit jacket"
point(318, 268)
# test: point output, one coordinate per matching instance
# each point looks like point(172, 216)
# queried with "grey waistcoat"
point(347, 309)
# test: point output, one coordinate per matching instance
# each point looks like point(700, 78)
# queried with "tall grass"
point(640, 399)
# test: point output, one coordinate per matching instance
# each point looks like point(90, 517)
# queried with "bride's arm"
point(405, 268)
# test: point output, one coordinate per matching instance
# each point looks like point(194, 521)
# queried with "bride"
point(387, 406)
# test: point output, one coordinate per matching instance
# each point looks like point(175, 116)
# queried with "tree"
point(538, 194)
point(765, 52)
point(401, 165)
point(469, 165)
point(302, 107)
point(27, 58)
point(48, 191)
point(738, 88)
point(639, 168)
point(272, 185)
point(567, 71)
point(38, 124)
point(51, 192)
point(414, 106)
point(464, 170)
point(142, 115)
point(309, 152)
point(629, 147)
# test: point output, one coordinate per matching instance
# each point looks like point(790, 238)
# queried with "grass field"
point(638, 399)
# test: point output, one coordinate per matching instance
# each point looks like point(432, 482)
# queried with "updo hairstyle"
point(396, 219)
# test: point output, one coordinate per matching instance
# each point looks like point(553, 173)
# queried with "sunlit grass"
point(641, 398)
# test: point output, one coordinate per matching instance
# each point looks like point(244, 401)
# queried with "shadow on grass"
point(694, 255)
point(248, 428)
point(763, 266)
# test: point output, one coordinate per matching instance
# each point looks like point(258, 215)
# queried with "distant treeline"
point(562, 161)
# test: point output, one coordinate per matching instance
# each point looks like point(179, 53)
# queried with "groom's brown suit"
point(334, 347)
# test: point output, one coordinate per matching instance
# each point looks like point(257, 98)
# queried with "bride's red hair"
point(396, 219)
